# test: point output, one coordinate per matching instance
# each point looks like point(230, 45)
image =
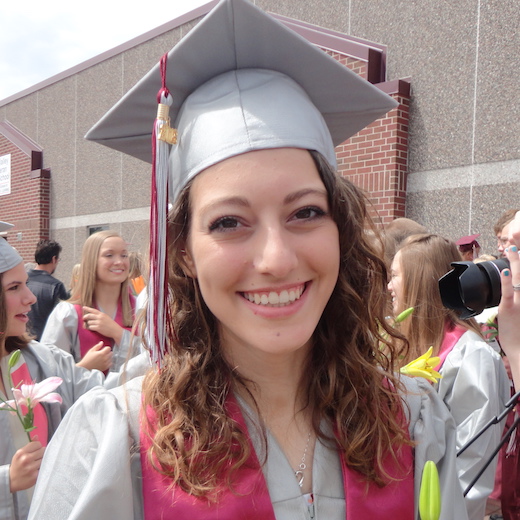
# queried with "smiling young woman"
point(94, 325)
point(273, 397)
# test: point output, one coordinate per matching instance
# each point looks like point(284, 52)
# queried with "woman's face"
point(264, 250)
point(113, 264)
point(395, 285)
point(18, 300)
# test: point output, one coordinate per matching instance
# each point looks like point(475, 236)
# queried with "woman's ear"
point(187, 264)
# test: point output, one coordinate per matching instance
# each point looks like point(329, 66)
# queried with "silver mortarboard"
point(9, 257)
point(242, 81)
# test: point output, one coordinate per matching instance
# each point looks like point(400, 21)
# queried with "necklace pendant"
point(302, 467)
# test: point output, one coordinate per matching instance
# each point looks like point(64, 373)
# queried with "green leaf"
point(28, 421)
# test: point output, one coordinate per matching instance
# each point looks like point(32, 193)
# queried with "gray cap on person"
point(243, 81)
point(9, 257)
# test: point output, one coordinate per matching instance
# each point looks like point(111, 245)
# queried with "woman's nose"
point(275, 252)
point(30, 299)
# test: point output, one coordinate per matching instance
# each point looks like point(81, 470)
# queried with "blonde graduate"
point(100, 290)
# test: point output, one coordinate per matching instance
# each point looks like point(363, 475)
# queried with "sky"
point(40, 39)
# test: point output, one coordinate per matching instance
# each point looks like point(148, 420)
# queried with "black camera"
point(470, 288)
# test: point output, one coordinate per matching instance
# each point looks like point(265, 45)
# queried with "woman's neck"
point(275, 384)
point(278, 395)
point(107, 296)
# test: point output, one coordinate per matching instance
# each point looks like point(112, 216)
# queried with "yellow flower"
point(423, 367)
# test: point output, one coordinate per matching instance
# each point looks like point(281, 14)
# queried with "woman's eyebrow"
point(232, 201)
point(14, 282)
point(243, 202)
point(292, 197)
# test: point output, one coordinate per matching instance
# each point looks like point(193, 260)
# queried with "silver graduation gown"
point(475, 388)
point(61, 330)
point(42, 361)
point(92, 467)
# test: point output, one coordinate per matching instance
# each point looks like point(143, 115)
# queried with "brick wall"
point(376, 159)
point(27, 206)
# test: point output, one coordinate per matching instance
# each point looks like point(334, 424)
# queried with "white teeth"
point(276, 299)
point(284, 297)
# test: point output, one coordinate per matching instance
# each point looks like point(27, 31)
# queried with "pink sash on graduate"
point(250, 498)
point(395, 500)
point(89, 338)
point(21, 376)
point(452, 334)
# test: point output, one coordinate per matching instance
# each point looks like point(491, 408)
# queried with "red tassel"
point(158, 312)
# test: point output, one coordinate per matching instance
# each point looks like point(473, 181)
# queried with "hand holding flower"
point(23, 470)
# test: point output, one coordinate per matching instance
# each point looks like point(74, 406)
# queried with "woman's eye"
point(309, 213)
point(13, 288)
point(224, 223)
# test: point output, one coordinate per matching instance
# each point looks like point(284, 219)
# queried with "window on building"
point(94, 229)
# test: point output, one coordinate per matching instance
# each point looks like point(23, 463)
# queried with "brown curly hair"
point(348, 379)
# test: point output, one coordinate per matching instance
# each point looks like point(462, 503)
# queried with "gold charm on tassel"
point(166, 132)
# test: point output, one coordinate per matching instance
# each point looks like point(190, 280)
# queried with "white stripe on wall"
point(94, 219)
point(474, 175)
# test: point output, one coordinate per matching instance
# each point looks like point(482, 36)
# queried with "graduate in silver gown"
point(274, 394)
point(19, 458)
point(100, 312)
point(474, 383)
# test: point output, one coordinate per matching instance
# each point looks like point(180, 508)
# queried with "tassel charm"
point(166, 132)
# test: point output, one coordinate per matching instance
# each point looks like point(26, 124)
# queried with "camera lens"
point(470, 288)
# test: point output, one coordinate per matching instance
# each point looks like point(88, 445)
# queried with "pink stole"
point(250, 497)
point(21, 376)
point(89, 338)
point(452, 334)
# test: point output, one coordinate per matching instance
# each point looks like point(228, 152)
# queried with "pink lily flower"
point(31, 395)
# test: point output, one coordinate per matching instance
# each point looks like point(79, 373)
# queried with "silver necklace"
point(302, 467)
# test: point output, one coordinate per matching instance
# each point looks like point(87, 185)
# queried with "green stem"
point(18, 413)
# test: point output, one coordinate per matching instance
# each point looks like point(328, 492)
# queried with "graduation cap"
point(241, 72)
point(239, 81)
point(9, 257)
point(468, 242)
